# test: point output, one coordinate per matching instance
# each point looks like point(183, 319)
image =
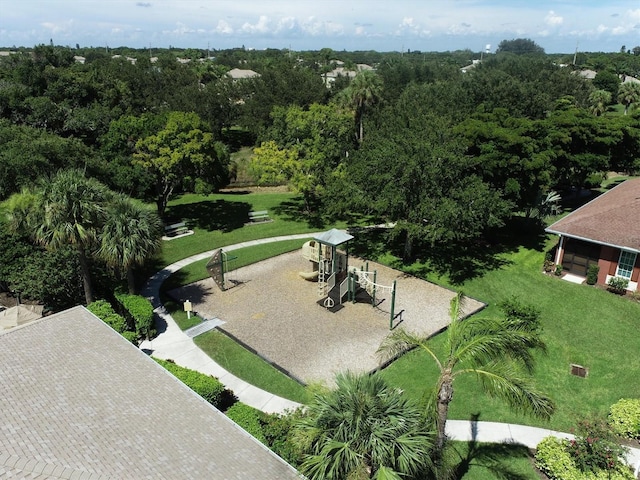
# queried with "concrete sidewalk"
point(494, 432)
point(174, 344)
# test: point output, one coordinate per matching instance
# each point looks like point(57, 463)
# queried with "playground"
point(277, 313)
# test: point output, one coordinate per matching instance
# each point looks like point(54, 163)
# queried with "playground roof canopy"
point(334, 237)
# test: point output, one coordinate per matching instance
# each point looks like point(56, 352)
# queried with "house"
point(341, 71)
point(240, 74)
point(79, 401)
point(603, 232)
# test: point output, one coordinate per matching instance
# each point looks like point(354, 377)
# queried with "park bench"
point(176, 229)
point(259, 217)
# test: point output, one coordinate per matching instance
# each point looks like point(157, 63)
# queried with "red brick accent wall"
point(608, 262)
point(636, 270)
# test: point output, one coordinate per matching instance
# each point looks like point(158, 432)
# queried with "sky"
point(558, 26)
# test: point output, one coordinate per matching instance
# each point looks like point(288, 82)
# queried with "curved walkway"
point(173, 343)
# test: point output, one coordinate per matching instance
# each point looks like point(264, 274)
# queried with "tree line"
point(446, 155)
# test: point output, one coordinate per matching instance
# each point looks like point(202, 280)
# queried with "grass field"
point(583, 325)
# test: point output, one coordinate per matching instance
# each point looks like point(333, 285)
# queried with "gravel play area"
point(275, 311)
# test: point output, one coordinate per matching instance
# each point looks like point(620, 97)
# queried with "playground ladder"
point(322, 285)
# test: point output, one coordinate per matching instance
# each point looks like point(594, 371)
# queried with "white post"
point(560, 251)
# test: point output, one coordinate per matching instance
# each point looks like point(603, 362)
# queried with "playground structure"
point(336, 280)
point(218, 266)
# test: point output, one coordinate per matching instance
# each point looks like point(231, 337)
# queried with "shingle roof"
point(613, 218)
point(78, 399)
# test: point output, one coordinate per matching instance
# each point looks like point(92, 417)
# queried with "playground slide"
point(311, 276)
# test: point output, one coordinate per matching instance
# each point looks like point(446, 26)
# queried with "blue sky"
point(392, 25)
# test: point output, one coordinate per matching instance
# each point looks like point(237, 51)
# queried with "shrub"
point(558, 271)
point(594, 180)
point(624, 417)
point(140, 310)
point(103, 310)
point(206, 386)
point(281, 436)
point(595, 447)
point(592, 274)
point(618, 285)
point(248, 418)
point(555, 461)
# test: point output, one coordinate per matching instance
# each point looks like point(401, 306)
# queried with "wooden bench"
point(176, 229)
point(259, 217)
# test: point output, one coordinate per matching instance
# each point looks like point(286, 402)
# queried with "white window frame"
point(627, 269)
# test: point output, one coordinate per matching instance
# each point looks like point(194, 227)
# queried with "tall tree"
point(130, 236)
point(519, 46)
point(182, 148)
point(363, 429)
point(499, 351)
point(599, 100)
point(67, 210)
point(364, 91)
point(628, 94)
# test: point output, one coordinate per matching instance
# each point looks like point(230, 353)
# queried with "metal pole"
point(393, 305)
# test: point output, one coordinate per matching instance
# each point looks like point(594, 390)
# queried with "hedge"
point(103, 310)
point(624, 417)
point(248, 418)
point(206, 386)
point(555, 461)
point(140, 310)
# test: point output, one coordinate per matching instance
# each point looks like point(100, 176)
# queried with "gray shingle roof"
point(613, 218)
point(79, 400)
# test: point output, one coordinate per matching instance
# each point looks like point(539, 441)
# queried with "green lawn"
point(486, 461)
point(248, 366)
point(219, 220)
point(582, 324)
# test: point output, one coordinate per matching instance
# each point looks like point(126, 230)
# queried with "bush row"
point(139, 310)
point(104, 311)
point(274, 430)
point(554, 459)
point(206, 386)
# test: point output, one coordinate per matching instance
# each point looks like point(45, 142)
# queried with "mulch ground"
point(274, 311)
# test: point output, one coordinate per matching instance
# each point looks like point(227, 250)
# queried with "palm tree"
point(131, 235)
point(71, 213)
point(628, 93)
point(498, 351)
point(364, 91)
point(363, 429)
point(599, 99)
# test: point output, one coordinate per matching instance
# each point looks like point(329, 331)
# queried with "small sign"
point(188, 308)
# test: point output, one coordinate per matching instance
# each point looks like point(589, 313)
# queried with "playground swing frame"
point(358, 277)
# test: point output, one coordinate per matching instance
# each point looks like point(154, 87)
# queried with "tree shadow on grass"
point(459, 262)
point(296, 210)
point(212, 214)
point(493, 457)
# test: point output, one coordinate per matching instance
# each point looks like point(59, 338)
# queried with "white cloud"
point(61, 27)
point(223, 28)
point(181, 29)
point(263, 25)
point(552, 19)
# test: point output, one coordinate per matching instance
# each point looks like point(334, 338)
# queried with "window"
point(625, 264)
